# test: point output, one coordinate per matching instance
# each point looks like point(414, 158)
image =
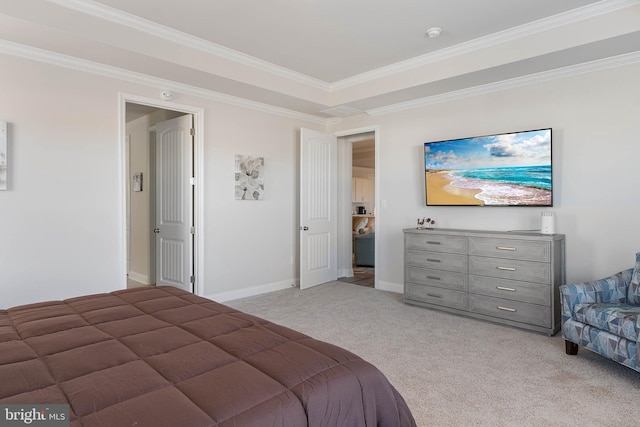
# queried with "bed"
point(160, 356)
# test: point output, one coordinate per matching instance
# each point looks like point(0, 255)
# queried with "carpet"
point(456, 371)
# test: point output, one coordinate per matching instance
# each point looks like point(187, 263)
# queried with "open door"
point(318, 208)
point(174, 203)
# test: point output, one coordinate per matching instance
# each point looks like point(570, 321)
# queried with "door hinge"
point(192, 230)
point(192, 131)
point(192, 180)
point(192, 279)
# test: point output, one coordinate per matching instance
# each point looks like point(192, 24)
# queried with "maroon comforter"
point(160, 356)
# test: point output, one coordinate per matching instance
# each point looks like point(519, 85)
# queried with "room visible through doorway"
point(363, 209)
point(147, 129)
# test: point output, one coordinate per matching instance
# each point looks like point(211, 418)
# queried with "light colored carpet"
point(455, 371)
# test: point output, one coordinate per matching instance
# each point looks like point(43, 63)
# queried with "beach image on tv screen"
point(512, 169)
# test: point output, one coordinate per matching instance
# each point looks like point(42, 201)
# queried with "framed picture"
point(137, 181)
point(249, 177)
point(3, 155)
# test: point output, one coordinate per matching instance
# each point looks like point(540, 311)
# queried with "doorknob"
point(305, 228)
point(156, 230)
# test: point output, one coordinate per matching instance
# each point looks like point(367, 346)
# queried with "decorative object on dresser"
point(425, 223)
point(602, 315)
point(547, 223)
point(512, 278)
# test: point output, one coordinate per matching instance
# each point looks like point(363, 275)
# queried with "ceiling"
point(321, 59)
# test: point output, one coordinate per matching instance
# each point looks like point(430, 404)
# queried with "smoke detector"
point(434, 32)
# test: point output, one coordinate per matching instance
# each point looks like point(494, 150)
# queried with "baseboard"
point(391, 287)
point(253, 291)
point(144, 279)
point(286, 284)
point(345, 272)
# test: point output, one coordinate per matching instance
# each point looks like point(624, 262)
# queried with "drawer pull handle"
point(433, 260)
point(430, 242)
point(502, 288)
point(506, 268)
point(434, 295)
point(434, 278)
point(513, 310)
point(505, 248)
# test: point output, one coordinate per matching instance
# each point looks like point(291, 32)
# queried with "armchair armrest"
point(612, 289)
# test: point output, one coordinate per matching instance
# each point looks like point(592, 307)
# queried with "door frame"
point(345, 166)
point(198, 158)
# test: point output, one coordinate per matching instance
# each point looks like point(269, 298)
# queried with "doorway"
point(363, 210)
point(142, 121)
point(332, 202)
point(359, 184)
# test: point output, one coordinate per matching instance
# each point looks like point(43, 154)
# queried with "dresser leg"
point(570, 347)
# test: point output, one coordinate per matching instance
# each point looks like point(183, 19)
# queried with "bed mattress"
point(160, 356)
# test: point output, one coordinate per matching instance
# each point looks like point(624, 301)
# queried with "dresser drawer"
point(437, 296)
point(527, 271)
point(436, 243)
point(516, 311)
point(508, 277)
point(437, 278)
point(510, 248)
point(437, 260)
point(510, 289)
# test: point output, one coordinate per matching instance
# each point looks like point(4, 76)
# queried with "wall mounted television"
point(508, 169)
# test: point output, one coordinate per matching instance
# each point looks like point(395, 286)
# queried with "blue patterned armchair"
point(602, 315)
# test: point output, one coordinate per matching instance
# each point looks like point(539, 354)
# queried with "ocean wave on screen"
point(498, 193)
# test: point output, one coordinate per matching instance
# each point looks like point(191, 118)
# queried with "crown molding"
point(57, 59)
point(89, 6)
point(93, 8)
point(573, 70)
point(41, 55)
point(600, 8)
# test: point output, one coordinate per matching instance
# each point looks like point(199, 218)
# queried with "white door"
point(318, 208)
point(174, 203)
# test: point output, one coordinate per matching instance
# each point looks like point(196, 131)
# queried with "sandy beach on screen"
point(440, 192)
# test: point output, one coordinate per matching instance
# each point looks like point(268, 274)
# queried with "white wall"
point(596, 128)
point(250, 242)
point(61, 222)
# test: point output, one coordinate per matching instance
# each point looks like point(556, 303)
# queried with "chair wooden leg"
point(570, 348)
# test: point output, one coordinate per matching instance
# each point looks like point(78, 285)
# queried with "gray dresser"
point(511, 278)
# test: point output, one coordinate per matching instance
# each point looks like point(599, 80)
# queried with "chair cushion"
point(633, 295)
point(618, 319)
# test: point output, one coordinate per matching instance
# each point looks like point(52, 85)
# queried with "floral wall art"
point(3, 155)
point(249, 177)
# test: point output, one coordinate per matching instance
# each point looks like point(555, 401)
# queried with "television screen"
point(509, 169)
